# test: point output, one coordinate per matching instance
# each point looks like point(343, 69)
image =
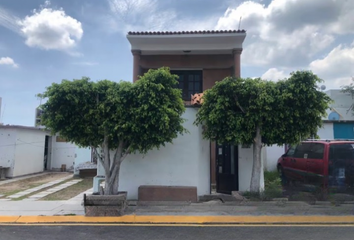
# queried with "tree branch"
point(238, 104)
point(99, 156)
point(126, 153)
point(107, 159)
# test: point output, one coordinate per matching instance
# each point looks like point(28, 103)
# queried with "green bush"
point(272, 185)
point(272, 188)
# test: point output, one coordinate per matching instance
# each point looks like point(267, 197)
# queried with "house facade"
point(190, 163)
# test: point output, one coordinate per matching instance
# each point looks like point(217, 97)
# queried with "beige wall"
point(215, 67)
point(211, 76)
point(187, 61)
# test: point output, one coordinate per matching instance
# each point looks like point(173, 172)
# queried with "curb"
point(133, 219)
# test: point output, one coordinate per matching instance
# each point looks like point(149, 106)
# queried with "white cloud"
point(51, 29)
point(344, 23)
point(274, 74)
point(48, 28)
point(8, 61)
point(337, 67)
point(289, 32)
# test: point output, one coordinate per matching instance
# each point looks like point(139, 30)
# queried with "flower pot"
point(105, 205)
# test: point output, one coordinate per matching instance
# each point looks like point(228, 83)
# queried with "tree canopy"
point(287, 111)
point(256, 111)
point(124, 116)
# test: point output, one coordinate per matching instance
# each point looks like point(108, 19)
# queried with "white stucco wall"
point(29, 154)
point(272, 154)
point(62, 153)
point(7, 147)
point(186, 162)
point(245, 164)
point(326, 132)
point(82, 155)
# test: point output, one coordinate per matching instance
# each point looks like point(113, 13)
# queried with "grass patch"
point(12, 192)
point(71, 191)
point(20, 185)
point(41, 190)
point(272, 185)
point(272, 188)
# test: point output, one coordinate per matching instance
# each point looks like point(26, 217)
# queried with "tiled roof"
point(187, 32)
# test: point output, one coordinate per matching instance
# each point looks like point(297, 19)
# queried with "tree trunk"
point(116, 179)
point(257, 162)
point(112, 175)
point(112, 183)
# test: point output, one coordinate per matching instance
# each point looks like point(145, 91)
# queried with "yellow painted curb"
point(133, 219)
point(10, 219)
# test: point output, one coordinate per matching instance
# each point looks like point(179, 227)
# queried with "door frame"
point(235, 167)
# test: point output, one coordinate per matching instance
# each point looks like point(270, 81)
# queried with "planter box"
point(102, 205)
point(167, 193)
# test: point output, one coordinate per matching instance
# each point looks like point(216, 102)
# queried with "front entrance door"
point(226, 168)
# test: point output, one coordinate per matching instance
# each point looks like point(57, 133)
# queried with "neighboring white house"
point(337, 124)
point(22, 150)
point(27, 150)
point(61, 152)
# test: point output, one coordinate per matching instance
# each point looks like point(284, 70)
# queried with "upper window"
point(190, 82)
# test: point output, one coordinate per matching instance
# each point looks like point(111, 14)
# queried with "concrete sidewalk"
point(74, 207)
point(212, 212)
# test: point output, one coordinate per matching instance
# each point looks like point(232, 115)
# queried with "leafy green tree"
point(125, 117)
point(259, 112)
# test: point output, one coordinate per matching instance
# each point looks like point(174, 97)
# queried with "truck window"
point(316, 151)
point(302, 150)
point(343, 151)
point(291, 151)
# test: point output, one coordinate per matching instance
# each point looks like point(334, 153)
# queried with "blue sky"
point(46, 41)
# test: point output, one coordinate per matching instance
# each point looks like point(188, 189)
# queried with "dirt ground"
point(17, 186)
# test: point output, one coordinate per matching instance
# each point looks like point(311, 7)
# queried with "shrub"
point(272, 188)
point(272, 185)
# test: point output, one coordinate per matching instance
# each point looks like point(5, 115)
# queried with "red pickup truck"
point(319, 162)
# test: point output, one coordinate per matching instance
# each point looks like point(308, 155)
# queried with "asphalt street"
point(93, 232)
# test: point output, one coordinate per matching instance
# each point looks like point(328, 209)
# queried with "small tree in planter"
point(121, 116)
point(259, 112)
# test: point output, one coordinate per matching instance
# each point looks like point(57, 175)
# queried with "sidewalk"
point(180, 213)
point(212, 212)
